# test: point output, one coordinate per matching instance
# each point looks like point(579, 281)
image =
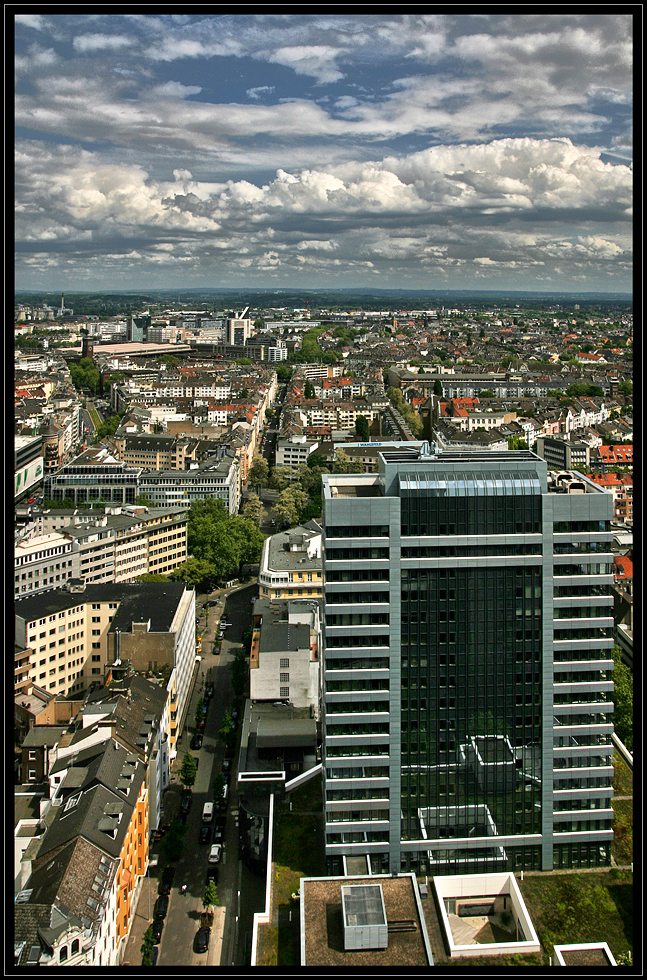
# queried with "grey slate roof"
point(284, 637)
point(138, 602)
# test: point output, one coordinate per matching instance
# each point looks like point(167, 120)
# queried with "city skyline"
point(324, 151)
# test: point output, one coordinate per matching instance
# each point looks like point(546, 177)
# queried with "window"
point(284, 678)
point(62, 956)
point(284, 692)
point(285, 662)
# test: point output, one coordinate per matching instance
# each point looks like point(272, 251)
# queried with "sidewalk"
point(131, 955)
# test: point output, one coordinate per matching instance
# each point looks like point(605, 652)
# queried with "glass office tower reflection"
point(467, 673)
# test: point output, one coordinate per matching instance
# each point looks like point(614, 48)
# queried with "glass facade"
point(466, 666)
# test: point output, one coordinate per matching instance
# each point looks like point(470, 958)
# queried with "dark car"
point(209, 691)
point(161, 907)
point(166, 881)
point(157, 927)
point(196, 741)
point(185, 803)
point(202, 939)
point(226, 765)
point(154, 954)
point(217, 834)
point(204, 835)
point(212, 874)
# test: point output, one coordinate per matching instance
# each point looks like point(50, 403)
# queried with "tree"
point(626, 387)
point(623, 699)
point(188, 770)
point(217, 786)
point(486, 393)
point(194, 571)
point(438, 388)
point(172, 844)
point(227, 732)
point(151, 577)
point(146, 948)
point(517, 442)
point(253, 508)
point(259, 472)
point(283, 372)
point(210, 897)
point(309, 391)
point(281, 476)
point(343, 463)
point(317, 460)
point(199, 712)
point(361, 428)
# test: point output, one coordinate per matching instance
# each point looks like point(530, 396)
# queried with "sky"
point(412, 151)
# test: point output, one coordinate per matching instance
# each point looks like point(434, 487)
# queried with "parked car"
point(196, 741)
point(185, 803)
point(154, 954)
point(210, 690)
point(161, 907)
point(158, 925)
point(166, 881)
point(202, 939)
point(212, 874)
point(217, 834)
point(234, 714)
point(205, 834)
point(226, 765)
point(215, 853)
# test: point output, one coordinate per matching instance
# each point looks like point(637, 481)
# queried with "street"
point(240, 893)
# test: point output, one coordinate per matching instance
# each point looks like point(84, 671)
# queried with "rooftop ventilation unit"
point(364, 915)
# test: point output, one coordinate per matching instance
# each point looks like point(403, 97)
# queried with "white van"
point(207, 812)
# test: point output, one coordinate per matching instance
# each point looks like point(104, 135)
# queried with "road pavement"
point(177, 943)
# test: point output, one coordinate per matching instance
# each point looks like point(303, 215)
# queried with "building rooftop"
point(137, 602)
point(322, 925)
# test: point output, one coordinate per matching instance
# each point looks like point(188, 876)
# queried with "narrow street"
point(233, 920)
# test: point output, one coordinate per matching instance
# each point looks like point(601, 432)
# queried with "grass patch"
point(581, 908)
point(623, 831)
point(298, 853)
point(623, 777)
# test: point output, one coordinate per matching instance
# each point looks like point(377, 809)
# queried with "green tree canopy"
point(188, 770)
point(361, 428)
point(253, 509)
point(172, 844)
point(309, 391)
point(623, 699)
point(227, 732)
point(210, 897)
point(259, 472)
point(224, 542)
point(194, 571)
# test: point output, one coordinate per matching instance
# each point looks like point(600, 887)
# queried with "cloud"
point(99, 42)
point(30, 20)
point(258, 90)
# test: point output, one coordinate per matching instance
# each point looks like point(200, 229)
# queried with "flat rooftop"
point(322, 926)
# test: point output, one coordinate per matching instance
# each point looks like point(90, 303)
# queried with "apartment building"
point(213, 478)
point(89, 861)
point(467, 665)
point(284, 658)
point(290, 565)
point(156, 452)
point(73, 635)
point(98, 547)
point(45, 561)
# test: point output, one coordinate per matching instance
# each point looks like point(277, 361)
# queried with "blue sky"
point(324, 150)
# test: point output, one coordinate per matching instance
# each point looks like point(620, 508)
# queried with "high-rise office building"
point(467, 675)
